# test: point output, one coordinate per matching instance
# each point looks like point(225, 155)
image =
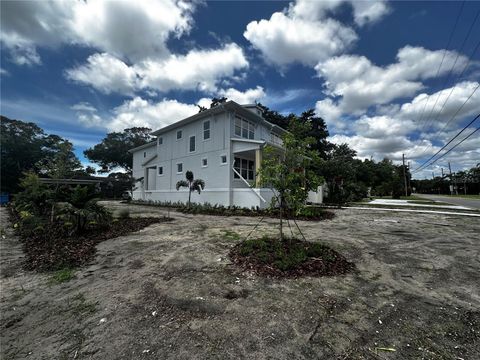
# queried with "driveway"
point(170, 291)
point(471, 203)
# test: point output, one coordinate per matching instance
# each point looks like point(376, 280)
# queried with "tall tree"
point(24, 147)
point(112, 152)
point(318, 131)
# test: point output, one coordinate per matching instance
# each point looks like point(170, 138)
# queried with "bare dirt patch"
point(169, 291)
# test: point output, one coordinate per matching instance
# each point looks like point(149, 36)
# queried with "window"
point(206, 130)
point(244, 128)
point(192, 143)
point(160, 170)
point(179, 168)
point(144, 154)
point(179, 134)
point(204, 162)
point(160, 140)
point(223, 159)
point(245, 168)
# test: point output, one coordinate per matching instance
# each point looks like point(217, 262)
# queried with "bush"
point(124, 214)
point(290, 255)
point(303, 213)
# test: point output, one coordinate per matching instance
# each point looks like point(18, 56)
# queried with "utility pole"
point(433, 175)
point(404, 175)
point(451, 186)
point(408, 167)
point(442, 173)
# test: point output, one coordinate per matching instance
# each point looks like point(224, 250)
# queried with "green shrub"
point(124, 214)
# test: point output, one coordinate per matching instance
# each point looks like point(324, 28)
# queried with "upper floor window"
point(144, 154)
point(204, 162)
point(179, 134)
point(223, 159)
point(160, 140)
point(179, 168)
point(160, 170)
point(244, 128)
point(192, 144)
point(206, 130)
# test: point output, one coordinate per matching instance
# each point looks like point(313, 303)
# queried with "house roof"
point(229, 105)
point(144, 146)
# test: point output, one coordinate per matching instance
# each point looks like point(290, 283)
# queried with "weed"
point(61, 276)
point(124, 214)
point(231, 235)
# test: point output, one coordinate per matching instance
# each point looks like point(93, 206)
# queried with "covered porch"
point(245, 182)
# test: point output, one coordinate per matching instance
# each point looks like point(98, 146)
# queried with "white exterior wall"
point(220, 186)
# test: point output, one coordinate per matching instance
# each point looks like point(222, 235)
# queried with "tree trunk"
point(281, 217)
point(189, 196)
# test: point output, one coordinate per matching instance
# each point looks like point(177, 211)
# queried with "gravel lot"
point(170, 292)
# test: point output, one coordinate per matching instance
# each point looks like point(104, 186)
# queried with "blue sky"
point(380, 73)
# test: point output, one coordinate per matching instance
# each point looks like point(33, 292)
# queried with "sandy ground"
point(170, 292)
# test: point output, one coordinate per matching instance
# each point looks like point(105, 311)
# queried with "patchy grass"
point(291, 257)
point(465, 196)
point(61, 276)
point(231, 235)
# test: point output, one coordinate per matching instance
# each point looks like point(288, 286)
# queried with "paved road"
point(473, 203)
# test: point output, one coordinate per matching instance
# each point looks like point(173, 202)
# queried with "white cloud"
point(131, 30)
point(378, 127)
point(145, 113)
point(248, 96)
point(105, 73)
point(440, 107)
point(83, 106)
point(284, 40)
point(330, 112)
point(198, 69)
point(305, 33)
point(361, 84)
point(364, 12)
point(136, 112)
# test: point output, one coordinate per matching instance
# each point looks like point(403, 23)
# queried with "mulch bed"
point(328, 263)
point(51, 249)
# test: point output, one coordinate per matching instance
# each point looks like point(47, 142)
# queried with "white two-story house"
point(223, 146)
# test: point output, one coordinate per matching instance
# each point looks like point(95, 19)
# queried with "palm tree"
point(191, 184)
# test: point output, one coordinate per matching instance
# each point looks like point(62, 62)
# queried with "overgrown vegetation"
point(291, 257)
point(61, 226)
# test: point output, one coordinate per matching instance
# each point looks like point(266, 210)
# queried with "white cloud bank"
point(305, 34)
point(130, 30)
point(197, 70)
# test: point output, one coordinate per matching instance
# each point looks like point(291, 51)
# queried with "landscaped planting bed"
point(289, 258)
point(51, 248)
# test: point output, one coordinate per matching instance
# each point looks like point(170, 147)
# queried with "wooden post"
point(258, 163)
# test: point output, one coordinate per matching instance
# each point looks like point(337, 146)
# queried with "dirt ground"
point(170, 292)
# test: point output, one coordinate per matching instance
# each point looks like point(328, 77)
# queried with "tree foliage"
point(26, 147)
point(191, 184)
point(289, 171)
point(112, 152)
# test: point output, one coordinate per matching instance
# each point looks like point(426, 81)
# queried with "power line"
point(444, 54)
point(453, 147)
point(448, 143)
point(451, 71)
